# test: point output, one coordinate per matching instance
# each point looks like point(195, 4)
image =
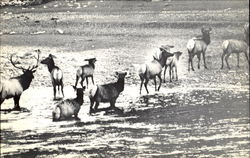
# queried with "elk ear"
point(74, 87)
point(84, 87)
point(33, 71)
point(117, 73)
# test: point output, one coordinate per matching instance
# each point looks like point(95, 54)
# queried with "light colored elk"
point(172, 63)
point(86, 71)
point(69, 107)
point(14, 87)
point(56, 74)
point(236, 46)
point(154, 68)
point(107, 92)
point(197, 46)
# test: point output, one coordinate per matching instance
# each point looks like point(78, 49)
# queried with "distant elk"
point(70, 107)
point(107, 92)
point(152, 69)
point(14, 87)
point(55, 73)
point(197, 46)
point(172, 63)
point(86, 71)
point(236, 46)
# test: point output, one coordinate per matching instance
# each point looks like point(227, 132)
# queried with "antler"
point(19, 67)
point(38, 56)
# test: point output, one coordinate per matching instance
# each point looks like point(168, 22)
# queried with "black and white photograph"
point(124, 79)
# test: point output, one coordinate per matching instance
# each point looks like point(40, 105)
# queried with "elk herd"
point(196, 46)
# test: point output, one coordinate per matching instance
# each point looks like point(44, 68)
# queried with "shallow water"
point(193, 123)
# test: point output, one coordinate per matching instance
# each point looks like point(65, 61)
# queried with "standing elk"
point(86, 71)
point(236, 46)
point(172, 62)
point(107, 92)
point(69, 107)
point(55, 73)
point(198, 46)
point(154, 68)
point(14, 87)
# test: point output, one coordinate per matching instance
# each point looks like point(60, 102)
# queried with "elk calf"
point(14, 87)
point(154, 68)
point(197, 46)
point(69, 107)
point(172, 62)
point(237, 47)
point(107, 92)
point(56, 74)
point(86, 71)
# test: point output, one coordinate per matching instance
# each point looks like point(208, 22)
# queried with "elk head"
point(30, 70)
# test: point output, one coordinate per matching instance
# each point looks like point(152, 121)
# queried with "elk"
point(86, 71)
point(69, 107)
point(172, 62)
point(107, 92)
point(154, 68)
point(56, 74)
point(197, 46)
point(14, 87)
point(236, 46)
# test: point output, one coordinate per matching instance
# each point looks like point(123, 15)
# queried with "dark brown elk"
point(107, 92)
point(172, 63)
point(14, 87)
point(154, 68)
point(69, 107)
point(56, 74)
point(86, 71)
point(197, 46)
point(235, 46)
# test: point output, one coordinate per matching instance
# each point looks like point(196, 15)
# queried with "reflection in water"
point(196, 123)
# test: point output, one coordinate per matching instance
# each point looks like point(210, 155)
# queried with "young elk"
point(236, 46)
point(198, 46)
point(154, 68)
point(56, 74)
point(14, 87)
point(172, 62)
point(107, 92)
point(86, 71)
point(67, 108)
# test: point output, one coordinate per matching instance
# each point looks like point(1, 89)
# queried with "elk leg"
point(54, 89)
point(191, 61)
point(164, 79)
point(238, 60)
point(142, 79)
point(62, 88)
point(112, 104)
point(145, 84)
point(247, 57)
point(82, 82)
point(96, 105)
point(222, 59)
point(159, 76)
point(16, 102)
point(1, 101)
point(176, 73)
point(199, 60)
point(170, 78)
point(226, 58)
point(91, 105)
point(155, 83)
point(204, 60)
point(87, 81)
point(77, 78)
point(92, 80)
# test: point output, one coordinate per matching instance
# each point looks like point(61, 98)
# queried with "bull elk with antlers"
point(14, 87)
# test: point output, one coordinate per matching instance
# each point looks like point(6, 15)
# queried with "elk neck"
point(120, 84)
point(24, 81)
point(51, 65)
point(92, 65)
point(162, 60)
point(79, 99)
point(206, 38)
